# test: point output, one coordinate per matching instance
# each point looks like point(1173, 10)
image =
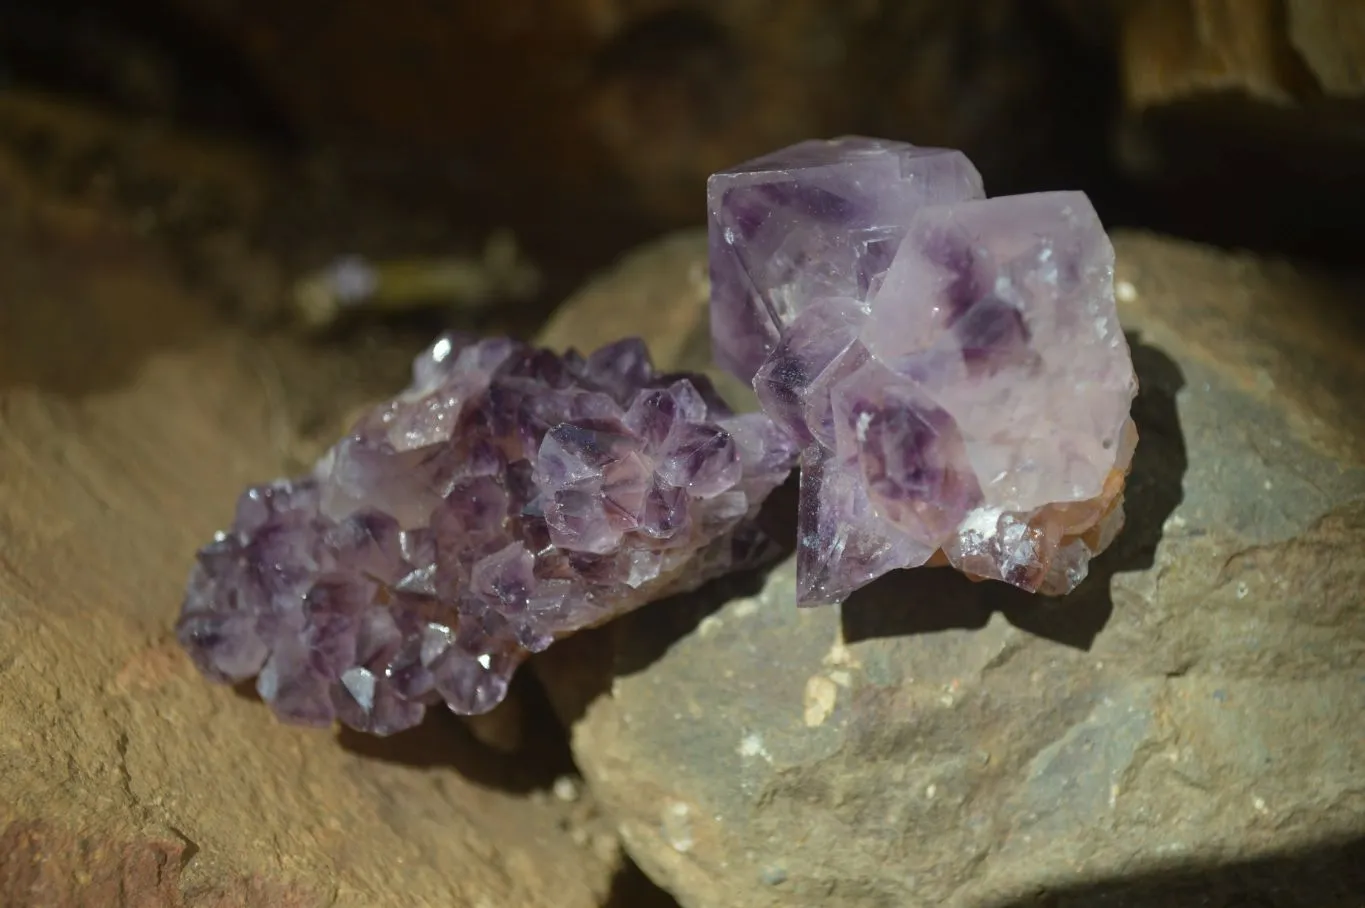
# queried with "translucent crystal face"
point(508, 497)
point(1004, 312)
point(818, 219)
point(952, 365)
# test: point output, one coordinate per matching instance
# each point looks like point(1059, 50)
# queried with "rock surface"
point(507, 497)
point(1184, 728)
point(1277, 52)
point(129, 419)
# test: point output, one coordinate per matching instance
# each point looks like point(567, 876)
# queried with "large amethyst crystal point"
point(508, 497)
point(820, 219)
point(961, 388)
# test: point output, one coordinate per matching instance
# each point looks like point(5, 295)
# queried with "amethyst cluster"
point(508, 497)
point(952, 366)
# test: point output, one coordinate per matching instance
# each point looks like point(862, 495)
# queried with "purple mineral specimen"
point(817, 220)
point(508, 497)
point(953, 366)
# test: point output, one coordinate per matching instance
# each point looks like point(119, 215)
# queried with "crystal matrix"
point(508, 497)
point(952, 365)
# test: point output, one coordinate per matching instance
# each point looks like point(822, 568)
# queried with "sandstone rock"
point(1185, 728)
point(130, 418)
point(1177, 48)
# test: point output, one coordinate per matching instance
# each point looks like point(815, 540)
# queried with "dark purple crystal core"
point(508, 497)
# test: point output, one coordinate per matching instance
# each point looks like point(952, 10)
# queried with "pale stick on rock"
point(952, 365)
point(508, 497)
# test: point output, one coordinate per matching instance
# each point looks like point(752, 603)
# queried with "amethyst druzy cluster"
point(952, 366)
point(508, 497)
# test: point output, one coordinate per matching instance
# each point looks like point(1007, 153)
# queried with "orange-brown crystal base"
point(1094, 522)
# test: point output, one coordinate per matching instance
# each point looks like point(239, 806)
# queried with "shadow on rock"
point(630, 888)
point(927, 601)
point(576, 671)
point(1331, 875)
point(527, 752)
point(537, 755)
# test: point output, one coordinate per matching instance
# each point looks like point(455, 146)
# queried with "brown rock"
point(1222, 93)
point(1330, 35)
point(130, 417)
point(1177, 48)
point(1279, 51)
point(258, 232)
point(1186, 727)
point(632, 103)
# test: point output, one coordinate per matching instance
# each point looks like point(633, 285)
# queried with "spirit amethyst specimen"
point(508, 497)
point(952, 365)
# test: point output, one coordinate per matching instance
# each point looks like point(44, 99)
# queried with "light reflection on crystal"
point(953, 365)
point(508, 497)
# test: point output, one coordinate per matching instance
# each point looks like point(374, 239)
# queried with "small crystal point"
point(508, 497)
point(952, 365)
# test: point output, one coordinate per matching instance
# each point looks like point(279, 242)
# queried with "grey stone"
point(1186, 728)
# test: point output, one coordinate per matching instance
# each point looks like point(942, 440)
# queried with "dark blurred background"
point(586, 125)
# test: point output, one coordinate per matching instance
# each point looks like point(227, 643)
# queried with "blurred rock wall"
point(1168, 112)
point(1245, 120)
point(634, 102)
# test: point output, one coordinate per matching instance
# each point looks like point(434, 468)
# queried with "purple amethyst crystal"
point(508, 497)
point(817, 220)
point(953, 366)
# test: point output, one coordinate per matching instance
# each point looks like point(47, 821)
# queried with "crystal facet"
point(817, 220)
point(508, 497)
point(953, 366)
